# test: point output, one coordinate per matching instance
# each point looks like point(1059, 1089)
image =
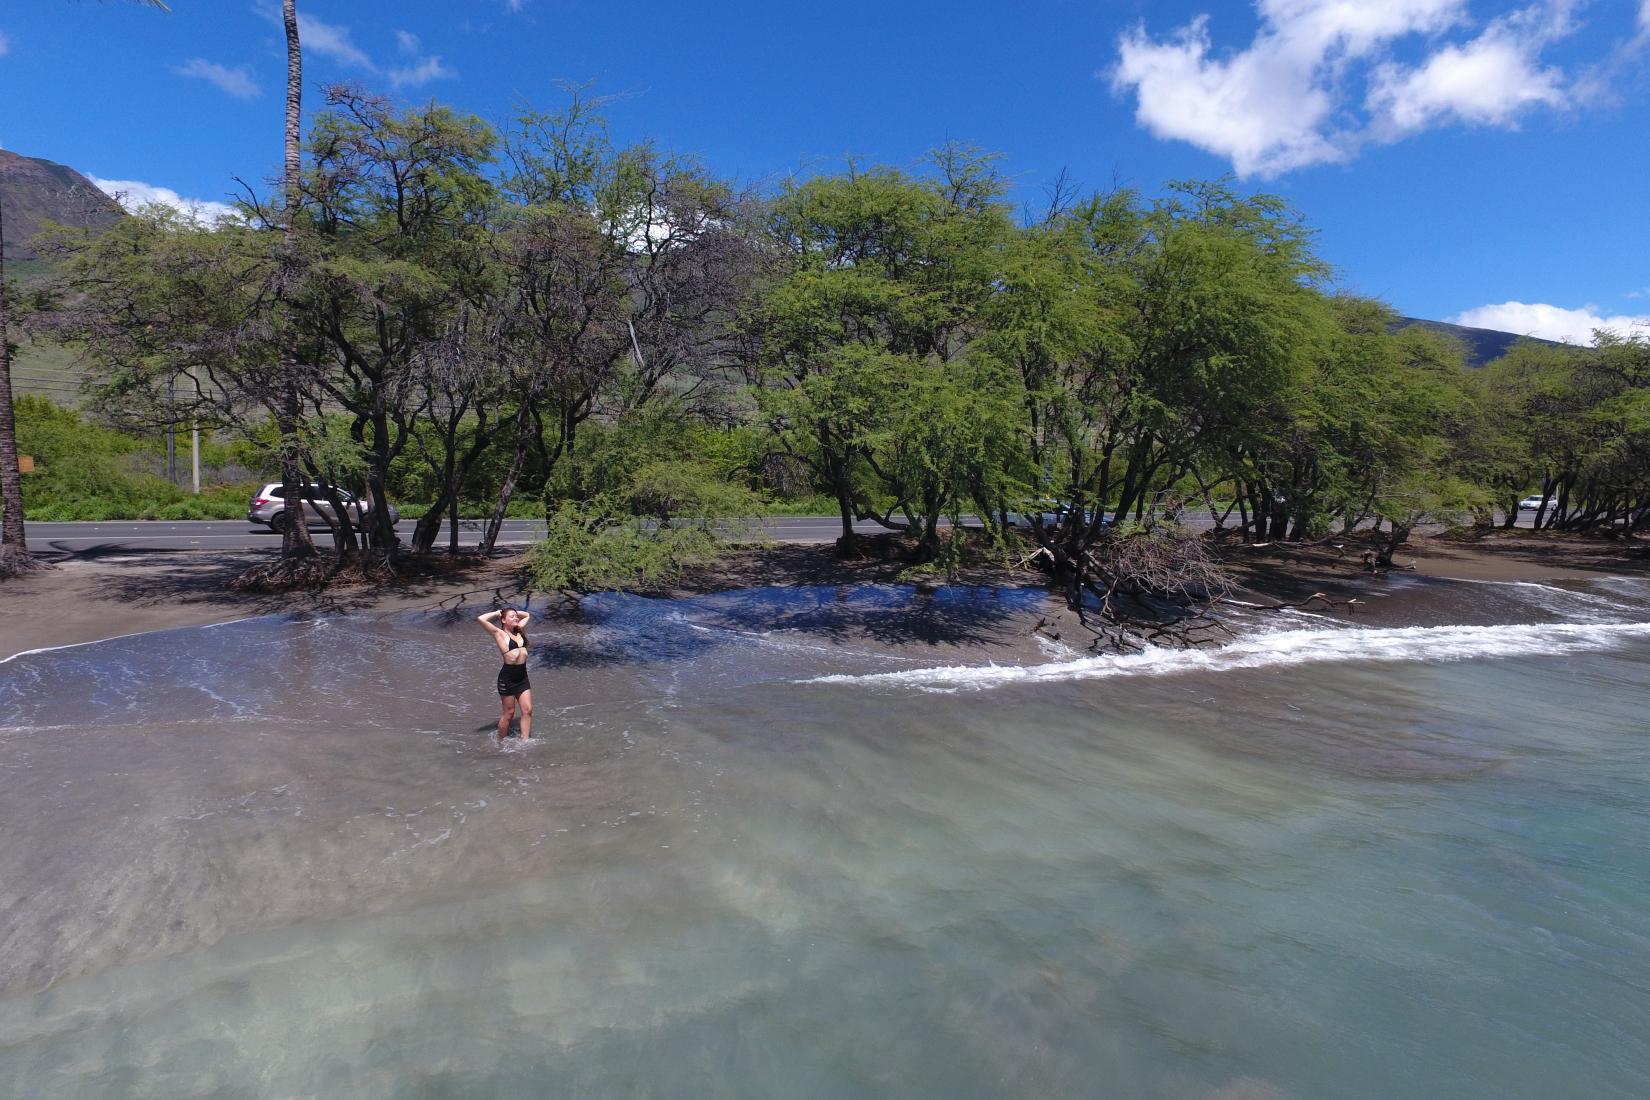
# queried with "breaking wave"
point(1284, 648)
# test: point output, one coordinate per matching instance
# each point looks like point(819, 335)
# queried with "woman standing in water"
point(514, 692)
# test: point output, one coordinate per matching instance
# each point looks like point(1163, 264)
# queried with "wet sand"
point(91, 599)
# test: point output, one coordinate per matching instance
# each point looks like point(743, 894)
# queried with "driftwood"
point(1322, 600)
point(1372, 564)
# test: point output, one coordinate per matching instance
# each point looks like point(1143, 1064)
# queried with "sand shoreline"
point(89, 600)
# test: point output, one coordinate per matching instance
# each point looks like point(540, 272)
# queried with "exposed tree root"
point(1144, 588)
point(15, 562)
point(288, 575)
point(1194, 629)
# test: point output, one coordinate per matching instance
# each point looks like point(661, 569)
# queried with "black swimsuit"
point(512, 679)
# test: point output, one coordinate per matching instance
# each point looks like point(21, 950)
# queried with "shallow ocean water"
point(768, 846)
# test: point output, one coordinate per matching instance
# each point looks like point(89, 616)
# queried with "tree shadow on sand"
point(202, 579)
point(638, 630)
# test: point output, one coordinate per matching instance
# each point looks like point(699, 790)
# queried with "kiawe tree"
point(1581, 416)
point(1152, 340)
point(394, 238)
point(621, 270)
point(858, 350)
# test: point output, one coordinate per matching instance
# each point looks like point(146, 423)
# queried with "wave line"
point(1282, 649)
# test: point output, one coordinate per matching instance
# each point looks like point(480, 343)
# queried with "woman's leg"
point(525, 703)
point(508, 702)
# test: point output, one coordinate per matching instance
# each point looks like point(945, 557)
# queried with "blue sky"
point(1466, 160)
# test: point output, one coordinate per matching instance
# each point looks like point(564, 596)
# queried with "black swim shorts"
point(512, 680)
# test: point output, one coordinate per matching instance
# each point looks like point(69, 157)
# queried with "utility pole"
point(171, 437)
point(195, 445)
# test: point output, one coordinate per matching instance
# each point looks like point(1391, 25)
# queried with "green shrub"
point(604, 544)
point(84, 471)
point(587, 551)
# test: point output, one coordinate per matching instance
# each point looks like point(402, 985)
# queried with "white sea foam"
point(1575, 604)
point(123, 637)
point(1289, 647)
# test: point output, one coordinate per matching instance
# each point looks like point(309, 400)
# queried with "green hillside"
point(47, 371)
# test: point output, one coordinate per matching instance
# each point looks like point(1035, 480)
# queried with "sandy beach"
point(90, 599)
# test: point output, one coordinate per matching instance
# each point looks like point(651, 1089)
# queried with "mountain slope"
point(35, 191)
point(1483, 344)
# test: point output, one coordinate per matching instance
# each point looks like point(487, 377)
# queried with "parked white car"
point(269, 507)
point(1530, 504)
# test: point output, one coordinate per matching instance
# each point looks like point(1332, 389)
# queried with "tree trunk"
point(295, 540)
point(344, 542)
point(428, 527)
point(848, 545)
point(343, 533)
point(505, 491)
point(454, 471)
point(452, 523)
point(14, 547)
point(1399, 535)
point(378, 474)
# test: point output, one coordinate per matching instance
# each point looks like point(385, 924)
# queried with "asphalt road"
point(67, 540)
point(89, 539)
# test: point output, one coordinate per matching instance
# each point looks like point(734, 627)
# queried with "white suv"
point(269, 507)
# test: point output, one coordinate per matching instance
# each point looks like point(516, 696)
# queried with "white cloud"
point(1547, 322)
point(332, 40)
point(1489, 80)
point(5, 43)
point(1258, 109)
point(419, 71)
point(517, 6)
point(135, 195)
point(426, 70)
point(236, 82)
point(1286, 100)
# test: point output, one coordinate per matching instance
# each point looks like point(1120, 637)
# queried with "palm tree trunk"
point(14, 548)
point(295, 540)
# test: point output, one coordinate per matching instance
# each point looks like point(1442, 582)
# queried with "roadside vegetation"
point(540, 322)
point(86, 470)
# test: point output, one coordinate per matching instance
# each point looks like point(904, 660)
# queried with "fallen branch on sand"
point(1372, 564)
point(1040, 552)
point(1322, 600)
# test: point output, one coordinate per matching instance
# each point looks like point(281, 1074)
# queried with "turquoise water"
point(281, 858)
